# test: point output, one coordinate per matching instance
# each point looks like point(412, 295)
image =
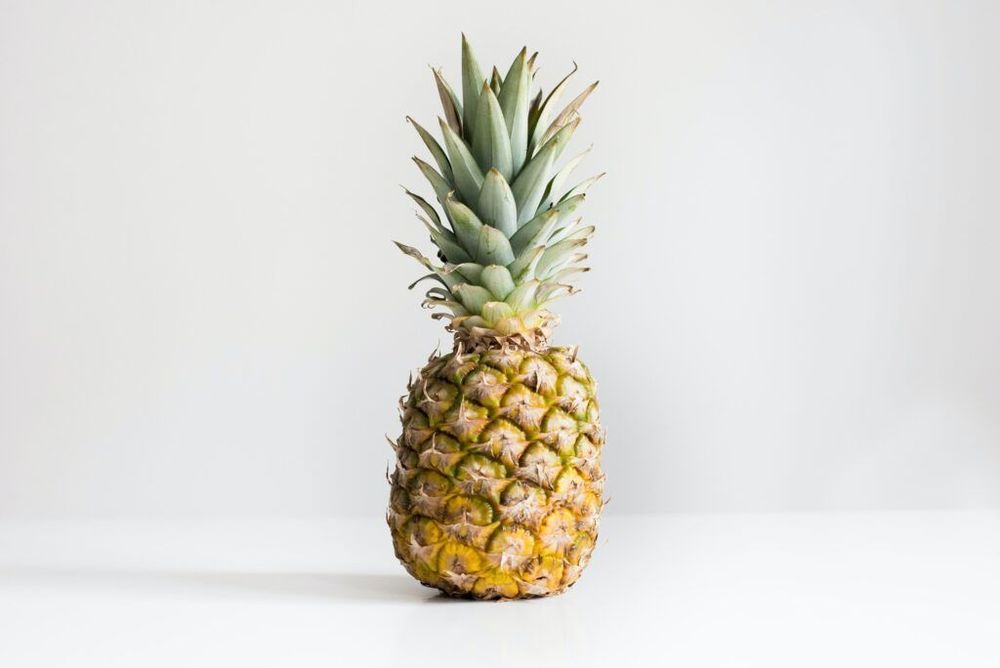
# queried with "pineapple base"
point(498, 488)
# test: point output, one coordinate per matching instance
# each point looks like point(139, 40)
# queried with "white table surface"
point(804, 590)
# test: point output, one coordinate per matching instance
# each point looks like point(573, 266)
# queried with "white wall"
point(796, 295)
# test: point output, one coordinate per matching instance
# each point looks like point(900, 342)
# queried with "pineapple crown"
point(508, 240)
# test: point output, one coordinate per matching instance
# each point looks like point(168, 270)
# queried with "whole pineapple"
point(498, 487)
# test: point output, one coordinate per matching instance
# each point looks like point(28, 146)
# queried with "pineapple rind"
point(498, 487)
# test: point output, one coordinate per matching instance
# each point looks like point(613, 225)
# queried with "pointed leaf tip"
point(468, 176)
point(472, 78)
point(490, 144)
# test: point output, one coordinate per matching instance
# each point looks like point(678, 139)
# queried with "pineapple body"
point(498, 487)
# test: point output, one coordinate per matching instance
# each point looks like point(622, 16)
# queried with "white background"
point(796, 296)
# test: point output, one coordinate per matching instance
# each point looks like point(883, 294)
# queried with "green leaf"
point(529, 186)
point(567, 115)
point(440, 272)
point(523, 267)
point(497, 280)
point(440, 186)
point(567, 206)
point(549, 292)
point(563, 274)
point(450, 304)
point(557, 255)
point(470, 270)
point(472, 322)
point(581, 187)
point(559, 180)
point(536, 121)
point(533, 110)
point(432, 276)
point(434, 227)
point(536, 232)
point(573, 231)
point(493, 247)
point(468, 177)
point(473, 297)
point(494, 312)
point(496, 203)
point(449, 101)
point(438, 293)
point(491, 147)
point(439, 157)
point(514, 103)
point(527, 233)
point(496, 82)
point(523, 296)
point(452, 251)
point(472, 83)
point(563, 231)
point(427, 208)
point(467, 225)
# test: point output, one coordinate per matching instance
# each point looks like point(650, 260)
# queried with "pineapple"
point(498, 486)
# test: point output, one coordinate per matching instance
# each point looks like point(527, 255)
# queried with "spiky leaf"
point(556, 255)
point(497, 279)
point(523, 295)
point(452, 251)
point(467, 225)
point(536, 233)
point(563, 274)
point(581, 187)
point(569, 114)
point(440, 186)
point(436, 151)
point(522, 268)
point(470, 270)
point(473, 297)
point(491, 147)
point(496, 81)
point(530, 184)
point(426, 207)
point(440, 272)
point(494, 248)
point(514, 99)
point(537, 120)
point(468, 177)
point(449, 102)
point(472, 83)
point(496, 203)
point(494, 312)
point(557, 182)
point(572, 231)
